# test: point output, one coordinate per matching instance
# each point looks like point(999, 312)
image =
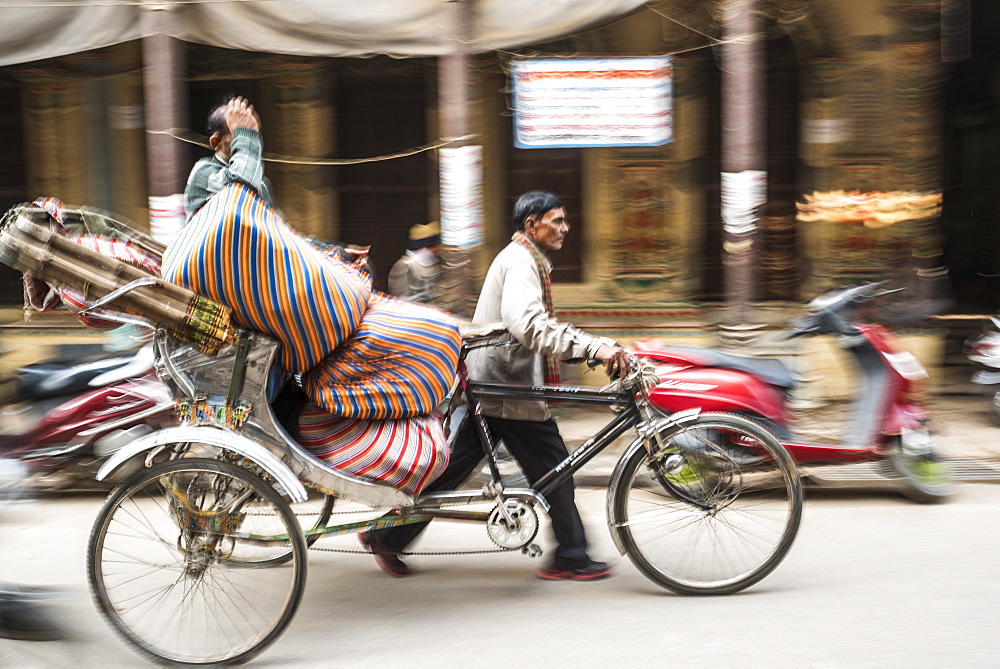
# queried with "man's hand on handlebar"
point(617, 361)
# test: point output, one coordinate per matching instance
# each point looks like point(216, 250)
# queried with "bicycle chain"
point(353, 551)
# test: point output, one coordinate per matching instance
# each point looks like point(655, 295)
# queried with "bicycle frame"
point(429, 506)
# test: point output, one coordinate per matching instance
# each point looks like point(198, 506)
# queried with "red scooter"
point(889, 424)
point(67, 434)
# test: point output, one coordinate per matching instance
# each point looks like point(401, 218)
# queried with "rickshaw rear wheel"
point(163, 562)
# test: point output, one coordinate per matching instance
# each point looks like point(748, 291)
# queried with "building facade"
point(854, 155)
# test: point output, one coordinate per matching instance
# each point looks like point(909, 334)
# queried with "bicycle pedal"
point(532, 550)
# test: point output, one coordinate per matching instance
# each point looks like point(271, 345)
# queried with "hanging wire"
point(200, 140)
point(683, 25)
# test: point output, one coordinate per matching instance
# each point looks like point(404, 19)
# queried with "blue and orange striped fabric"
point(406, 453)
point(238, 251)
point(400, 362)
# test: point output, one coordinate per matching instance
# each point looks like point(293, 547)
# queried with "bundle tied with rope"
point(30, 243)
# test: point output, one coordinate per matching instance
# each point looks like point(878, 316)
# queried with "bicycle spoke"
point(694, 519)
point(202, 605)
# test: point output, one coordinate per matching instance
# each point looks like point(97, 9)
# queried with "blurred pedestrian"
point(21, 616)
point(417, 275)
point(517, 291)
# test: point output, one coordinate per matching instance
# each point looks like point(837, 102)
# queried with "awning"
point(327, 28)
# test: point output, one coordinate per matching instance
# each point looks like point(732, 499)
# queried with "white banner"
point(166, 216)
point(578, 102)
point(742, 193)
point(461, 182)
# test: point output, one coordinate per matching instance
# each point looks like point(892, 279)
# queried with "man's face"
point(548, 231)
point(221, 143)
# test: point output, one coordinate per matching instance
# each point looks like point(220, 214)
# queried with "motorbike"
point(983, 351)
point(72, 417)
point(889, 424)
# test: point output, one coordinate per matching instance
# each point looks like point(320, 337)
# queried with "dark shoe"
point(386, 559)
point(24, 621)
point(591, 572)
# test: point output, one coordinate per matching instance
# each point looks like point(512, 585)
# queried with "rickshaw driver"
point(517, 291)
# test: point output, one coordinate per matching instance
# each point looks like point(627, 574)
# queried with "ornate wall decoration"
point(642, 249)
point(863, 235)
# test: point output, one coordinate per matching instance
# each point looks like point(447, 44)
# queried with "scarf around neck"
point(551, 363)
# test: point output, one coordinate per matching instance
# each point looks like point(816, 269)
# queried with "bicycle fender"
point(676, 420)
point(287, 482)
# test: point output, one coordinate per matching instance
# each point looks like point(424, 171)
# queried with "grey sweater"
point(210, 175)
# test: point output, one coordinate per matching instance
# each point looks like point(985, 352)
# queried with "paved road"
point(871, 580)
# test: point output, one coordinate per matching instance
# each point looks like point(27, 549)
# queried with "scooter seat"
point(769, 370)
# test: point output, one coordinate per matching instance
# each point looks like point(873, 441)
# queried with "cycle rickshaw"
point(198, 556)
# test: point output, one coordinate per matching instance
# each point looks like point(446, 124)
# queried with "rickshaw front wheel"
point(166, 562)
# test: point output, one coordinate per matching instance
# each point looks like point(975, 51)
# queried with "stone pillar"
point(460, 165)
point(300, 124)
point(165, 109)
point(744, 161)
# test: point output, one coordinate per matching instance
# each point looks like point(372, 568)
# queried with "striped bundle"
point(406, 453)
point(238, 251)
point(363, 354)
point(400, 362)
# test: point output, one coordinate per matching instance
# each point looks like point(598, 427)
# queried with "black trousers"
point(537, 447)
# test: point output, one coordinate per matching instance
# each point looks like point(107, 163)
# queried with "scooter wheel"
point(923, 477)
point(993, 404)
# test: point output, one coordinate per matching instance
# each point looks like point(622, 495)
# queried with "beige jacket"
point(416, 276)
point(512, 294)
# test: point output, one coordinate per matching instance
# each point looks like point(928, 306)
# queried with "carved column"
point(55, 129)
point(300, 125)
point(127, 136)
point(918, 80)
point(825, 132)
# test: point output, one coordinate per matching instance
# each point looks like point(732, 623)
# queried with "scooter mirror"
point(886, 292)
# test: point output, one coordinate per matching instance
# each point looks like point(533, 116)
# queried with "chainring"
point(519, 531)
